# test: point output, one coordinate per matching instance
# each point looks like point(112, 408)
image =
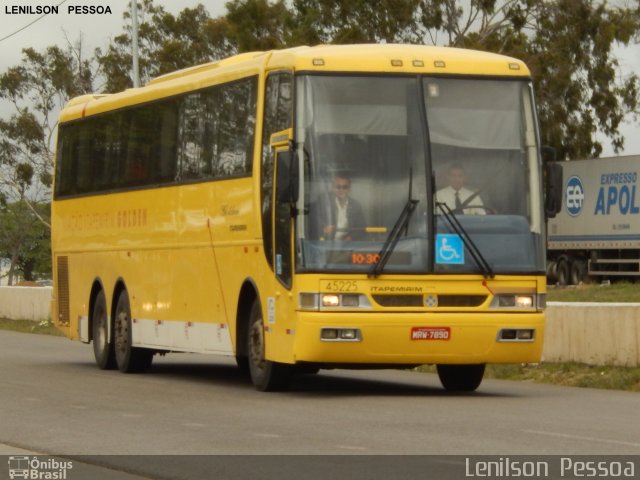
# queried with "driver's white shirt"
point(342, 223)
point(448, 195)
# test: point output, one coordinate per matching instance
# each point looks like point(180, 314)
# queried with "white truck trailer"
point(596, 236)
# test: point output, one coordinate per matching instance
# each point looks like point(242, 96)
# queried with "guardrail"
point(591, 333)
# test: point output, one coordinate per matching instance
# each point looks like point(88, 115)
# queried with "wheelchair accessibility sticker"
point(449, 249)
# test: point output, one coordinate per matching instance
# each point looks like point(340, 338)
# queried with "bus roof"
point(389, 58)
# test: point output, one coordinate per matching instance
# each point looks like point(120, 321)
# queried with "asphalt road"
point(54, 400)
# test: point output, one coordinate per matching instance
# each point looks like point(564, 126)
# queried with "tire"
point(243, 364)
point(129, 359)
point(578, 272)
point(562, 272)
point(103, 350)
point(461, 378)
point(552, 272)
point(267, 376)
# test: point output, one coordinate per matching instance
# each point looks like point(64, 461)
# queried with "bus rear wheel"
point(103, 350)
point(267, 376)
point(461, 378)
point(128, 358)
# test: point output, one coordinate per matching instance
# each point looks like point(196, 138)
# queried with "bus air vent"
point(63, 290)
point(398, 300)
point(461, 300)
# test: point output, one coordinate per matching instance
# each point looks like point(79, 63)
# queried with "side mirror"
point(287, 173)
point(549, 154)
point(552, 189)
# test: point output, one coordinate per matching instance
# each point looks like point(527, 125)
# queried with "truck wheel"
point(129, 359)
point(102, 345)
point(552, 272)
point(562, 272)
point(578, 272)
point(460, 378)
point(266, 375)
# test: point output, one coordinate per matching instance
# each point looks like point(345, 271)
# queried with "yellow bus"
point(288, 208)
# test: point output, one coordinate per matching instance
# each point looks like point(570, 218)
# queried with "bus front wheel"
point(129, 359)
point(266, 375)
point(102, 345)
point(461, 378)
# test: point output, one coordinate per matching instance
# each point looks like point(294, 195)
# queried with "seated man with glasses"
point(341, 216)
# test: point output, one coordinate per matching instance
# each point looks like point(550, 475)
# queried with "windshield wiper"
point(393, 237)
point(457, 227)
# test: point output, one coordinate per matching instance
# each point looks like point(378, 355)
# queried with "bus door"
point(285, 193)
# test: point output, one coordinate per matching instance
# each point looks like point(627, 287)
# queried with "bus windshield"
point(370, 147)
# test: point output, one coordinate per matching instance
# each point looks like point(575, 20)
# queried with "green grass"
point(569, 374)
point(29, 326)
point(616, 292)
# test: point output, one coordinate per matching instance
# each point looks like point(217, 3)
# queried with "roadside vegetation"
point(568, 374)
point(615, 292)
point(29, 326)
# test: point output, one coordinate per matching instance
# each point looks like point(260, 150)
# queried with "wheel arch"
point(248, 294)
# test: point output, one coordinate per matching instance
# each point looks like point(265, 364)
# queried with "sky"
point(97, 29)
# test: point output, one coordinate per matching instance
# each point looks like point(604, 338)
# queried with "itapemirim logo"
point(33, 468)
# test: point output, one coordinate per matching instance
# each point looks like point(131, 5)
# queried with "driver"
point(459, 199)
point(341, 216)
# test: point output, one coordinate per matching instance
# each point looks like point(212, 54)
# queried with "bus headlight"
point(320, 301)
point(518, 301)
point(330, 300)
point(309, 301)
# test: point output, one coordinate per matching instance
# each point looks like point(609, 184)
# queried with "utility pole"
point(134, 43)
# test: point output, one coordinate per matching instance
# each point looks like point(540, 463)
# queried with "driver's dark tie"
point(458, 202)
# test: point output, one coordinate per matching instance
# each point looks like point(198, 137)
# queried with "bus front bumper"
point(418, 338)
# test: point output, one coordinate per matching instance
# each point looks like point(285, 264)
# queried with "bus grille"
point(63, 290)
point(419, 301)
point(399, 300)
point(461, 300)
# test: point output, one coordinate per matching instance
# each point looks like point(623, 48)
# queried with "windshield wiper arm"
point(457, 227)
point(393, 237)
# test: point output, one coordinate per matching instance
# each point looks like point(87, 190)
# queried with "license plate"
point(430, 333)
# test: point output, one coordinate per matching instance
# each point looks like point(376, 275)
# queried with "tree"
point(257, 25)
point(24, 241)
point(37, 88)
point(166, 43)
point(355, 21)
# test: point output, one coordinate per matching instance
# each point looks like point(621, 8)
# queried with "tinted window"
point(203, 135)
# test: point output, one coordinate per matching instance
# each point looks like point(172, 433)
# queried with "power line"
point(28, 25)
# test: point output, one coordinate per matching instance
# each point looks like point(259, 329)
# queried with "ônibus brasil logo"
point(574, 196)
point(37, 469)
